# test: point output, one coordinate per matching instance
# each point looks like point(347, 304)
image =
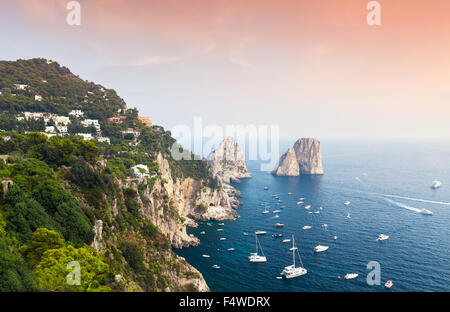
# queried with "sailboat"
point(265, 211)
point(254, 257)
point(292, 271)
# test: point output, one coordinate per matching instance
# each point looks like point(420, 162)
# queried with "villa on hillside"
point(77, 113)
point(117, 119)
point(146, 121)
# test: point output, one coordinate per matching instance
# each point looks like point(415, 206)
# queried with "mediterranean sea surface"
point(387, 184)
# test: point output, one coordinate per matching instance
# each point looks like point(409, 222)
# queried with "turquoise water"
point(416, 256)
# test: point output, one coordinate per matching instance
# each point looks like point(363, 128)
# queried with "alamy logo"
point(374, 276)
point(374, 16)
point(74, 277)
point(74, 15)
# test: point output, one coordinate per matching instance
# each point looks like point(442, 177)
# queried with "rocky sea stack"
point(304, 158)
point(227, 162)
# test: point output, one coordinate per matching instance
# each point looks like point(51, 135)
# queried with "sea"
point(387, 184)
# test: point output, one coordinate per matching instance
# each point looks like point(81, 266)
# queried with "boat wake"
point(417, 199)
point(403, 205)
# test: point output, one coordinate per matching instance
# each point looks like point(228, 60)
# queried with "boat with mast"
point(254, 257)
point(292, 271)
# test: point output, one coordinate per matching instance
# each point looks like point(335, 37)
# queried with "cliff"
point(227, 162)
point(305, 157)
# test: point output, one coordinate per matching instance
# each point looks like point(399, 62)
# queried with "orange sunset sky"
point(316, 68)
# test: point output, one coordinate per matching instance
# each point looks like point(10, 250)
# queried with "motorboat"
point(292, 271)
point(382, 237)
point(287, 240)
point(307, 227)
point(325, 225)
point(255, 257)
point(277, 235)
point(436, 184)
point(389, 284)
point(301, 198)
point(346, 203)
point(316, 212)
point(279, 277)
point(202, 233)
point(321, 208)
point(320, 248)
point(222, 238)
point(335, 237)
point(206, 256)
point(245, 234)
point(280, 201)
point(215, 266)
point(219, 230)
point(350, 276)
point(307, 206)
point(426, 212)
point(292, 248)
point(282, 207)
point(260, 233)
point(266, 188)
point(230, 249)
point(276, 211)
point(274, 195)
point(279, 224)
point(276, 216)
point(289, 193)
point(299, 203)
point(221, 224)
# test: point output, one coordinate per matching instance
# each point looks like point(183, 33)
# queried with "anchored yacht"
point(292, 271)
point(436, 184)
point(426, 212)
point(382, 237)
point(307, 227)
point(349, 276)
point(347, 203)
point(260, 233)
point(254, 257)
point(320, 248)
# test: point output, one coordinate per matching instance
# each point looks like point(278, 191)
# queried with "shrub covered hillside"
point(57, 186)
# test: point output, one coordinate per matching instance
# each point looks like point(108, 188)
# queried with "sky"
point(314, 68)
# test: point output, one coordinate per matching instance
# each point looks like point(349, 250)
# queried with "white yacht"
point(325, 225)
point(222, 238)
point(289, 193)
point(382, 237)
point(347, 203)
point(307, 227)
point(299, 203)
point(348, 215)
point(202, 233)
point(230, 249)
point(266, 188)
point(292, 271)
point(307, 206)
point(287, 240)
point(245, 234)
point(320, 248)
point(276, 211)
point(265, 211)
point(260, 233)
point(335, 237)
point(388, 284)
point(436, 184)
point(221, 224)
point(276, 216)
point(254, 257)
point(321, 208)
point(426, 212)
point(279, 224)
point(301, 198)
point(219, 230)
point(206, 256)
point(316, 212)
point(349, 276)
point(215, 266)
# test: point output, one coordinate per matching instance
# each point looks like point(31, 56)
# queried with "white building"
point(50, 129)
point(86, 136)
point(104, 139)
point(38, 97)
point(61, 120)
point(140, 171)
point(20, 86)
point(62, 129)
point(77, 113)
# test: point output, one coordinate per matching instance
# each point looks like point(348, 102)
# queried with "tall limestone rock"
point(227, 162)
point(304, 158)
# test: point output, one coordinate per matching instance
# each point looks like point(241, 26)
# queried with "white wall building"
point(104, 139)
point(86, 136)
point(77, 113)
point(140, 171)
point(50, 129)
point(38, 97)
point(61, 120)
point(21, 86)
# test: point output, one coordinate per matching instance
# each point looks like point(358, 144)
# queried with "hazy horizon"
point(315, 70)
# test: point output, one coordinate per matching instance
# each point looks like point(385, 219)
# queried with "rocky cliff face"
point(227, 162)
point(304, 158)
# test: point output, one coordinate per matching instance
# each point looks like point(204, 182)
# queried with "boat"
point(299, 203)
point(279, 224)
point(335, 237)
point(254, 257)
point(260, 233)
point(282, 207)
point(221, 224)
point(208, 224)
point(301, 198)
point(206, 256)
point(274, 195)
point(276, 211)
point(230, 249)
point(292, 248)
point(389, 284)
point(265, 211)
point(279, 277)
point(202, 233)
point(349, 276)
point(347, 203)
point(320, 248)
point(292, 271)
point(219, 230)
point(280, 201)
point(348, 216)
point(287, 240)
point(245, 234)
point(289, 193)
point(426, 212)
point(307, 227)
point(316, 212)
point(321, 208)
point(276, 216)
point(266, 188)
point(222, 238)
point(436, 184)
point(307, 206)
point(277, 235)
point(382, 237)
point(215, 266)
point(325, 225)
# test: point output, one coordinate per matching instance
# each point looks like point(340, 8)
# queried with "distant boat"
point(208, 224)
point(300, 203)
point(293, 248)
point(290, 193)
point(260, 233)
point(382, 237)
point(321, 208)
point(301, 198)
point(335, 237)
point(292, 271)
point(316, 212)
point(280, 201)
point(286, 240)
point(266, 188)
point(277, 235)
point(436, 184)
point(325, 225)
point(347, 203)
point(276, 216)
point(389, 284)
point(215, 266)
point(222, 238)
point(349, 276)
point(254, 257)
point(307, 227)
point(206, 256)
point(245, 234)
point(279, 224)
point(203, 233)
point(219, 230)
point(426, 212)
point(274, 195)
point(307, 206)
point(221, 224)
point(348, 216)
point(279, 277)
point(230, 249)
point(320, 248)
point(276, 211)
point(282, 207)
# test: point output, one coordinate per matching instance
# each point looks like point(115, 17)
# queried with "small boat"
point(293, 248)
point(349, 276)
point(289, 193)
point(286, 240)
point(316, 212)
point(221, 224)
point(300, 203)
point(307, 206)
point(325, 225)
point(265, 211)
point(382, 237)
point(222, 238)
point(307, 227)
point(215, 266)
point(206, 256)
point(279, 224)
point(277, 235)
point(321, 208)
point(389, 284)
point(282, 207)
point(276, 211)
point(335, 237)
point(276, 216)
point(208, 224)
point(274, 195)
point(202, 233)
point(266, 188)
point(292, 270)
point(219, 230)
point(280, 201)
point(230, 249)
point(436, 184)
point(260, 233)
point(426, 212)
point(279, 277)
point(301, 198)
point(320, 248)
point(254, 257)
point(245, 234)
point(347, 203)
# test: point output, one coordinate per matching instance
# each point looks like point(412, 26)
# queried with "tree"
point(43, 240)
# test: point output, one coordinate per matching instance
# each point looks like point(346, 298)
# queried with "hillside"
point(108, 196)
